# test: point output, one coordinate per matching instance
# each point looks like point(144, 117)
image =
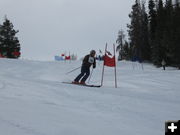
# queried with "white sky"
point(51, 27)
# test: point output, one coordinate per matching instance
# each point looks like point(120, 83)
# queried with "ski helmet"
point(92, 52)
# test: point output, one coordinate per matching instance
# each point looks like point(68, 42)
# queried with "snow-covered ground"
point(33, 101)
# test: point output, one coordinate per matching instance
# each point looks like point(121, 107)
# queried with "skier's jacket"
point(88, 61)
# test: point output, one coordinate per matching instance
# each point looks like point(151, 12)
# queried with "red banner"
point(108, 61)
point(67, 58)
point(16, 53)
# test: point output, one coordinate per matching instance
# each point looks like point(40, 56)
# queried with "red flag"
point(108, 61)
point(1, 56)
point(67, 58)
point(16, 53)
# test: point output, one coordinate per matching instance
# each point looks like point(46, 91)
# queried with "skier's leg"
point(87, 71)
point(80, 75)
point(164, 67)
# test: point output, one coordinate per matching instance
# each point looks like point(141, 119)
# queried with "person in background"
point(163, 63)
point(85, 68)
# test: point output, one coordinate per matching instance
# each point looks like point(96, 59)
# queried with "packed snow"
point(33, 101)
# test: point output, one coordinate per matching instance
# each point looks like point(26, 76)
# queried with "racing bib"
point(91, 60)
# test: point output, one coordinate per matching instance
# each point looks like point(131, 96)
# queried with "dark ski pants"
point(85, 71)
point(164, 67)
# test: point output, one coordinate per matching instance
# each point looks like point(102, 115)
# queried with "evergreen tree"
point(9, 43)
point(134, 29)
point(145, 46)
point(158, 49)
point(126, 51)
point(168, 36)
point(123, 46)
point(176, 33)
point(138, 32)
point(152, 23)
point(158, 35)
point(120, 41)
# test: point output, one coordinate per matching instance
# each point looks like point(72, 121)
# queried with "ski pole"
point(73, 70)
point(90, 75)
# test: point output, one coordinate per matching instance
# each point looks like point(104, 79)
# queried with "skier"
point(85, 68)
point(163, 63)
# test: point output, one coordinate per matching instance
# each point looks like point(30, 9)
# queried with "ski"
point(86, 85)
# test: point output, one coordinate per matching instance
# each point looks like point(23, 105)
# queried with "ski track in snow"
point(34, 101)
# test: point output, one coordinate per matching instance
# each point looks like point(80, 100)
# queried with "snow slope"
point(33, 101)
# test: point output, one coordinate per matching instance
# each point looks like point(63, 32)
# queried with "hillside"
point(33, 101)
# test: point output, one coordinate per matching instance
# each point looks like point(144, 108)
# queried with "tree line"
point(154, 35)
point(9, 43)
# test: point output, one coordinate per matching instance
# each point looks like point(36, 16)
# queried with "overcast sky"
point(51, 27)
